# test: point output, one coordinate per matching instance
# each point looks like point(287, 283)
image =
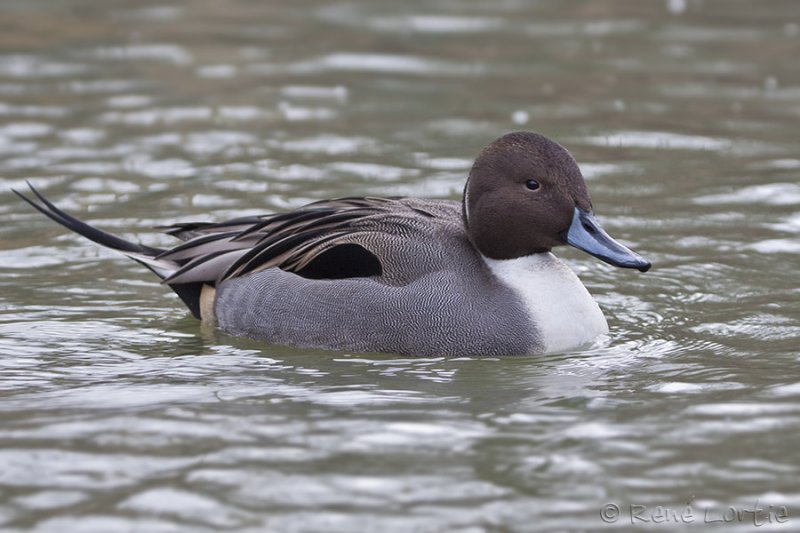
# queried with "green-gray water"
point(118, 412)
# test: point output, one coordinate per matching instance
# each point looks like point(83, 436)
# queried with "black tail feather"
point(189, 293)
point(82, 228)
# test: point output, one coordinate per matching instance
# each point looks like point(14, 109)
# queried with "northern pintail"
point(401, 275)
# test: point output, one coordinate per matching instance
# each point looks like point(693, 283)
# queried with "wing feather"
point(213, 252)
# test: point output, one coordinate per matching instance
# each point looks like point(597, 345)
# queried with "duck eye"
point(532, 184)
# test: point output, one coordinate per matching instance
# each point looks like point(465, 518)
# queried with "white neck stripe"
point(562, 310)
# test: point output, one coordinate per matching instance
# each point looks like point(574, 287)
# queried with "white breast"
point(561, 308)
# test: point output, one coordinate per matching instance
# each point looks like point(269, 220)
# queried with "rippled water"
point(120, 413)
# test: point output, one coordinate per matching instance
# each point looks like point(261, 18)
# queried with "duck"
point(400, 275)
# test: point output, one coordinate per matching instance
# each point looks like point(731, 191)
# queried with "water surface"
point(119, 412)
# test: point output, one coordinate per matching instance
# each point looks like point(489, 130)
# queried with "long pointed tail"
point(189, 293)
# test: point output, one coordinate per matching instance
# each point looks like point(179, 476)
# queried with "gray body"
point(436, 296)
